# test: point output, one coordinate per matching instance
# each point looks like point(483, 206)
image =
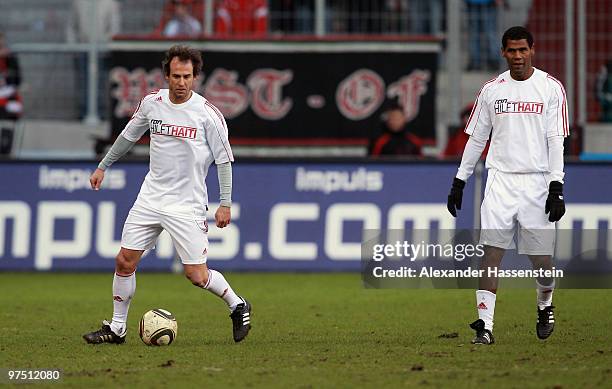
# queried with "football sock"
point(220, 287)
point(123, 291)
point(545, 294)
point(485, 305)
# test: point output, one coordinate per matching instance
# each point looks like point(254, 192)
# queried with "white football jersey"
point(185, 139)
point(522, 115)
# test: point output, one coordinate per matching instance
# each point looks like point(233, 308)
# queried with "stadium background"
point(289, 90)
point(304, 187)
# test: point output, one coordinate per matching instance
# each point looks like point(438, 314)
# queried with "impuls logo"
point(328, 181)
point(77, 179)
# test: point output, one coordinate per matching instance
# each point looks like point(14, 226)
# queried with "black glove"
point(456, 196)
point(555, 205)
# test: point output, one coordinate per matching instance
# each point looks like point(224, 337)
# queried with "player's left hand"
point(223, 216)
point(455, 198)
point(555, 205)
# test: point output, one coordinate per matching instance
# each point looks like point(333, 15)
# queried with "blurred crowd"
point(264, 19)
point(11, 106)
point(259, 17)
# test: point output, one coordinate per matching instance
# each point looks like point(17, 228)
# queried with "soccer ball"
point(157, 327)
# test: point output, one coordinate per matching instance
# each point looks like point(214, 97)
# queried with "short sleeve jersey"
point(519, 117)
point(185, 139)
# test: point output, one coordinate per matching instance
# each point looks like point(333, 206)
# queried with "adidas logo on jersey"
point(482, 306)
point(158, 99)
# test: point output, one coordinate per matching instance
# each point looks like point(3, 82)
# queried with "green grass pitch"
point(309, 330)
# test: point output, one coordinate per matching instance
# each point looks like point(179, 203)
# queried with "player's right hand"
point(223, 216)
point(96, 179)
point(455, 197)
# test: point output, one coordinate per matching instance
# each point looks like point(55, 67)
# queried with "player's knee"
point(199, 284)
point(197, 281)
point(124, 265)
point(541, 261)
point(197, 278)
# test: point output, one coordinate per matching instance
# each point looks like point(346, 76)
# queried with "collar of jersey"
point(535, 70)
point(181, 104)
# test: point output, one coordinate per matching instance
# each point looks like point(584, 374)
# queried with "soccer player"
point(188, 133)
point(524, 111)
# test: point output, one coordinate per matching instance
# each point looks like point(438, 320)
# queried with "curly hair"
point(184, 54)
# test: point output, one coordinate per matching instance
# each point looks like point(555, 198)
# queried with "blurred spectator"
point(11, 107)
point(458, 138)
point(231, 18)
point(80, 20)
point(395, 138)
point(604, 91)
point(78, 30)
point(482, 22)
point(242, 17)
point(182, 24)
point(10, 79)
point(425, 15)
point(195, 8)
point(396, 16)
point(304, 16)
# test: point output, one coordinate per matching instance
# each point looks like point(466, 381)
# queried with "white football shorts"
point(189, 236)
point(516, 201)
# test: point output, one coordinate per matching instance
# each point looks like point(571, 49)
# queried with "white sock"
point(220, 287)
point(485, 305)
point(544, 294)
point(123, 291)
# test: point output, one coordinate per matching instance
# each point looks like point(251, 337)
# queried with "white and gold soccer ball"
point(157, 327)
